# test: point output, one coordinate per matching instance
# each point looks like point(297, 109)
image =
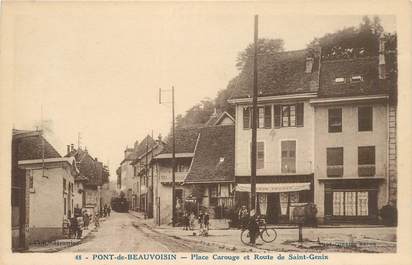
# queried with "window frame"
point(364, 166)
point(334, 166)
point(356, 201)
point(361, 123)
point(257, 156)
point(335, 116)
point(295, 157)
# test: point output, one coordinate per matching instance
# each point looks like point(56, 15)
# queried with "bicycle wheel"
point(268, 235)
point(245, 237)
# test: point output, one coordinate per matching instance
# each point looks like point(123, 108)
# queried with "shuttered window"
point(261, 117)
point(334, 120)
point(277, 115)
point(334, 161)
point(246, 118)
point(289, 115)
point(288, 154)
point(365, 118)
point(366, 161)
point(299, 114)
point(260, 154)
point(268, 116)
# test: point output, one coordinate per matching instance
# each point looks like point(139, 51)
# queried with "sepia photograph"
point(156, 128)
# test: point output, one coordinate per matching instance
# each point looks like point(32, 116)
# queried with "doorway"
point(273, 210)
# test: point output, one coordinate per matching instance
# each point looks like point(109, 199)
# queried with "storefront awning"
point(274, 187)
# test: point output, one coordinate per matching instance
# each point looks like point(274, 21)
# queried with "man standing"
point(253, 227)
point(243, 216)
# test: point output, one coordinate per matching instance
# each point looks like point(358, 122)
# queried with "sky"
point(97, 71)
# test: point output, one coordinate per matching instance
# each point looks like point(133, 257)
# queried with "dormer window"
point(339, 80)
point(356, 78)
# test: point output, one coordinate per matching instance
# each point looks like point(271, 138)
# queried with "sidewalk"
point(326, 239)
point(60, 244)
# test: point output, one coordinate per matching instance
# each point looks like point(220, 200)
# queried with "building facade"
point(51, 186)
point(285, 136)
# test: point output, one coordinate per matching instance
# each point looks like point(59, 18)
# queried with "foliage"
point(198, 114)
point(353, 41)
point(266, 47)
point(389, 215)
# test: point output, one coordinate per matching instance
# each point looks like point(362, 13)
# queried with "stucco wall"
point(350, 139)
point(272, 139)
point(46, 201)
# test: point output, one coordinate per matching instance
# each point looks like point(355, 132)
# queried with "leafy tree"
point(265, 47)
point(353, 41)
point(196, 115)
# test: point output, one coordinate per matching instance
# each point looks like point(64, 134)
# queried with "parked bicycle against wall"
point(266, 234)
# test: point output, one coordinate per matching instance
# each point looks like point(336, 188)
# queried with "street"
point(122, 232)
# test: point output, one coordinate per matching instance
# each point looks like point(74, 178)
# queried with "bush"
point(389, 215)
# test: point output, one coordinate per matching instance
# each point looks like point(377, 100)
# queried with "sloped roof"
point(366, 67)
point(32, 147)
point(279, 74)
point(185, 141)
point(216, 143)
point(215, 118)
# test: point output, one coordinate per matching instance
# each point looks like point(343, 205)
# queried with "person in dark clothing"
point(253, 227)
point(243, 216)
point(109, 210)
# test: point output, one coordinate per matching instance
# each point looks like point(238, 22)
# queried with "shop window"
point(213, 195)
point(350, 203)
point(288, 154)
point(366, 161)
point(334, 161)
point(365, 118)
point(334, 120)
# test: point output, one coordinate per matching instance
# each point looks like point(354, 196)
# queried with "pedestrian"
point(109, 210)
point(200, 221)
point(96, 220)
point(191, 220)
point(206, 223)
point(243, 216)
point(253, 227)
point(86, 220)
point(73, 227)
point(80, 224)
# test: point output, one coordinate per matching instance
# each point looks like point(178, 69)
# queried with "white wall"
point(272, 139)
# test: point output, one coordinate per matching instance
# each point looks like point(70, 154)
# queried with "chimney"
point(72, 147)
point(68, 149)
point(309, 64)
point(382, 70)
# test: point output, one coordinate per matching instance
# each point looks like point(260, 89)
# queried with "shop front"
point(276, 200)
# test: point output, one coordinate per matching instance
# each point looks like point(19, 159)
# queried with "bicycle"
point(266, 234)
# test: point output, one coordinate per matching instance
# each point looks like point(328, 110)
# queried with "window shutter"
point(277, 116)
point(299, 115)
point(268, 116)
point(328, 203)
point(246, 118)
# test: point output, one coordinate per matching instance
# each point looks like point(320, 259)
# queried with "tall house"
point(352, 117)
point(287, 82)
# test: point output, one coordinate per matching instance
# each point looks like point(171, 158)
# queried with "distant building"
point(186, 139)
point(210, 181)
point(144, 173)
point(127, 179)
point(92, 176)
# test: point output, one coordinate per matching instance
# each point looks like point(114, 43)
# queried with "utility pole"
point(254, 127)
point(146, 178)
point(173, 151)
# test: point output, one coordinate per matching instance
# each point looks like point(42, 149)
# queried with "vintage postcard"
point(211, 132)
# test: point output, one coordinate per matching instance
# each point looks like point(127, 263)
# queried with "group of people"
point(81, 220)
point(203, 221)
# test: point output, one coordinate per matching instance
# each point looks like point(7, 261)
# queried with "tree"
point(196, 115)
point(353, 41)
point(265, 47)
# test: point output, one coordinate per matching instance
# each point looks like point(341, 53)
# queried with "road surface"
point(122, 232)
